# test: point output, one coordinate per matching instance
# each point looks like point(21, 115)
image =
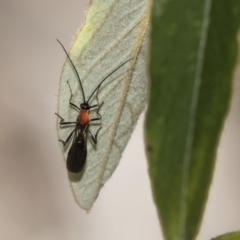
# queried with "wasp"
point(77, 153)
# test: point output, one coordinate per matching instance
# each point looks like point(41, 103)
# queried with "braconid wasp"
point(77, 153)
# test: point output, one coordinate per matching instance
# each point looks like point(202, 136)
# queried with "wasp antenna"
point(74, 70)
point(98, 86)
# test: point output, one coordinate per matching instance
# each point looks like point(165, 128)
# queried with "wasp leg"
point(94, 138)
point(68, 138)
point(72, 104)
point(100, 116)
point(93, 106)
point(62, 122)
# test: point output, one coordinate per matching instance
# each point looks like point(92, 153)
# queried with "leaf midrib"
point(192, 119)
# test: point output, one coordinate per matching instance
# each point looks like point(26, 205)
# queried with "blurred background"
point(36, 202)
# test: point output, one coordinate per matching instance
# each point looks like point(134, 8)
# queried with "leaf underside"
point(114, 31)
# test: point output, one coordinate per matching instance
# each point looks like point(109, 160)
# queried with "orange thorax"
point(84, 117)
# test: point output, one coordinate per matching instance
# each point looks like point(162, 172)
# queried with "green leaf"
point(229, 236)
point(192, 59)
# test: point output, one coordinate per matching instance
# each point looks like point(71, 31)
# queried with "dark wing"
point(78, 151)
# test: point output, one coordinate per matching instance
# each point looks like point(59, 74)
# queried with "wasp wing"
point(77, 153)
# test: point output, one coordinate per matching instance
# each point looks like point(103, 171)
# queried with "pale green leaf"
point(114, 31)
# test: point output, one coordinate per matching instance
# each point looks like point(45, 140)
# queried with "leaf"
point(192, 59)
point(114, 31)
point(229, 236)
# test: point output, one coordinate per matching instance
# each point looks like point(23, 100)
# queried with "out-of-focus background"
point(36, 202)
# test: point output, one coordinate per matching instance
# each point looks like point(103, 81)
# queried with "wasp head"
point(85, 106)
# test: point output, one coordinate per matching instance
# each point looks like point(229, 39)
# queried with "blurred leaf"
point(192, 59)
point(114, 31)
point(228, 236)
